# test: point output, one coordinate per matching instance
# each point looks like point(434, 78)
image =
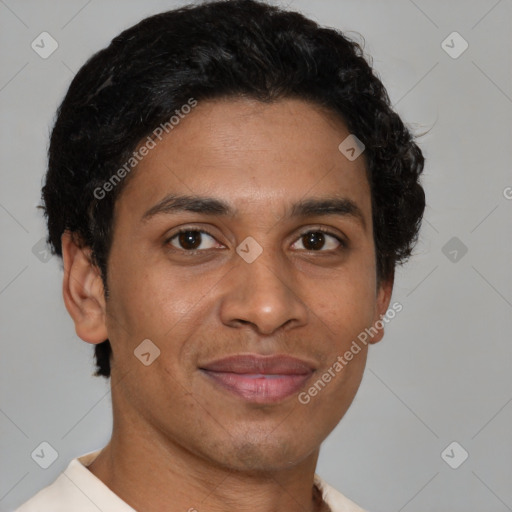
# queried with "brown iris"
point(190, 239)
point(313, 241)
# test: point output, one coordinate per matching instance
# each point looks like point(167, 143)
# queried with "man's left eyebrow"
point(328, 206)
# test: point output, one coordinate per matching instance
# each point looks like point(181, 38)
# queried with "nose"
point(264, 294)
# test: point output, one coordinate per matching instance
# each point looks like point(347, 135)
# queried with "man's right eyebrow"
point(198, 204)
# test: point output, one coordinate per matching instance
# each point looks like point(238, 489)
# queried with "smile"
point(259, 379)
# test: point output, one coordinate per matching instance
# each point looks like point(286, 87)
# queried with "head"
point(223, 121)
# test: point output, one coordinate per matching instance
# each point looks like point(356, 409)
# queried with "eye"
point(318, 240)
point(192, 240)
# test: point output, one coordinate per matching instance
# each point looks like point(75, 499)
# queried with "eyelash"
point(343, 244)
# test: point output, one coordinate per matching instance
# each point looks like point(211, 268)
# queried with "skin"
point(179, 439)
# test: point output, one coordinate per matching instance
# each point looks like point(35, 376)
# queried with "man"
point(230, 192)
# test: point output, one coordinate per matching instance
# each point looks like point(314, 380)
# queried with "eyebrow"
point(311, 207)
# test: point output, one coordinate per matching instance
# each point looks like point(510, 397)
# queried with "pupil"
point(313, 241)
point(190, 239)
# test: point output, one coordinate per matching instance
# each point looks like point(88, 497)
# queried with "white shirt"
point(78, 490)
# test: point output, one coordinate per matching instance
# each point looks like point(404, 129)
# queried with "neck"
point(150, 473)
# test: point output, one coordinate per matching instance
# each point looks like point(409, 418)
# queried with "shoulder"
point(336, 501)
point(59, 496)
point(76, 489)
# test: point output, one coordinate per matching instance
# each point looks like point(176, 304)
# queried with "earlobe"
point(384, 292)
point(83, 291)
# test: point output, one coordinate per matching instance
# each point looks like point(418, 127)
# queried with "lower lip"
point(259, 388)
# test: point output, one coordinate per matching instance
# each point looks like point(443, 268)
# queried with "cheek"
point(149, 295)
point(346, 303)
point(159, 304)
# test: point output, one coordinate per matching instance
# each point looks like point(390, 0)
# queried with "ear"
point(83, 291)
point(384, 291)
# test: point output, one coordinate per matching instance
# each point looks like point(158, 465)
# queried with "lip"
point(259, 379)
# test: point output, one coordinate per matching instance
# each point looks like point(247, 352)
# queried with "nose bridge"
point(263, 293)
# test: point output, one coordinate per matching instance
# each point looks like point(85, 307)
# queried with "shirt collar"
point(98, 492)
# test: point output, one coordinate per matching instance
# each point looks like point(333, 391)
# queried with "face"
point(243, 249)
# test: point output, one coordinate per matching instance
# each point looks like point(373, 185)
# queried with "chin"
point(264, 456)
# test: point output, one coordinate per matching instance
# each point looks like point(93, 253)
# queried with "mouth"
point(259, 379)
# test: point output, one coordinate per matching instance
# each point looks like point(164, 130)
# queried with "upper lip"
point(258, 364)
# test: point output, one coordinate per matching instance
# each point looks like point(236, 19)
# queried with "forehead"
point(250, 155)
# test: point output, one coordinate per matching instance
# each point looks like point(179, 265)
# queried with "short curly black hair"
point(222, 49)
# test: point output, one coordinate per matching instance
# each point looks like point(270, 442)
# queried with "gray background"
point(442, 372)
